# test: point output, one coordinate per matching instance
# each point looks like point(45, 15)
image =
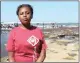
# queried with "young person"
point(26, 42)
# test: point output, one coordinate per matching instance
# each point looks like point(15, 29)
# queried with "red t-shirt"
point(26, 44)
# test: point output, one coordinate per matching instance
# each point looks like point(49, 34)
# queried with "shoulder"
point(37, 28)
point(14, 29)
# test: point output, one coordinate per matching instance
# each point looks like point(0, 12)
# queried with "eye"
point(21, 13)
point(27, 12)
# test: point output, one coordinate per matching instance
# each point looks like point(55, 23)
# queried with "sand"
point(60, 53)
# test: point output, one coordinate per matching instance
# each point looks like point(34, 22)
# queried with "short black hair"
point(24, 5)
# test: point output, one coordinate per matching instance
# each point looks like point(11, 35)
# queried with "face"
point(24, 15)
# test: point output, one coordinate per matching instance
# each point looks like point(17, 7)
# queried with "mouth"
point(25, 19)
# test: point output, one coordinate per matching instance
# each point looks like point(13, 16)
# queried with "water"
point(4, 37)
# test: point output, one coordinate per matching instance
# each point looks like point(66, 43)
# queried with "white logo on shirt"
point(33, 40)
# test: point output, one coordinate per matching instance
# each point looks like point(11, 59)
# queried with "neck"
point(28, 26)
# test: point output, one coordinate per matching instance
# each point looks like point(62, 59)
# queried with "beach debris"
point(68, 32)
point(61, 36)
point(63, 41)
point(53, 36)
point(5, 59)
point(46, 35)
point(69, 58)
point(73, 46)
point(72, 54)
point(76, 34)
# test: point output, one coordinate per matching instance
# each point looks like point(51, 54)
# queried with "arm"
point(43, 49)
point(42, 56)
point(11, 56)
point(10, 47)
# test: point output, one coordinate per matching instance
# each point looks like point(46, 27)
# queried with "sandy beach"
point(62, 45)
point(62, 48)
point(61, 53)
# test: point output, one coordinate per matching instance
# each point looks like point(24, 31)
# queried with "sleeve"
point(10, 42)
point(44, 45)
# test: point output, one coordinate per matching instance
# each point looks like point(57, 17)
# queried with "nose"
point(24, 15)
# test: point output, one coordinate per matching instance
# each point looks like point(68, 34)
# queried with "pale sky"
point(44, 11)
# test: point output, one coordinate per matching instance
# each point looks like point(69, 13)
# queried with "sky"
point(44, 11)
